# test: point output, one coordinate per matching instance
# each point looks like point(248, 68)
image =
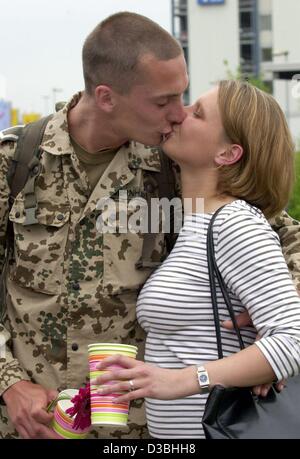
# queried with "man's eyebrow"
point(168, 96)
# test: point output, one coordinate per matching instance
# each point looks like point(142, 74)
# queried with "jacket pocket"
point(123, 266)
point(38, 256)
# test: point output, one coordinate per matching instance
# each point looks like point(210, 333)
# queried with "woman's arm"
point(250, 259)
point(242, 369)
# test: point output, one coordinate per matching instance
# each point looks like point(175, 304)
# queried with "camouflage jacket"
point(68, 284)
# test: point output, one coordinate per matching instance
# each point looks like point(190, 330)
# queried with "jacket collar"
point(56, 141)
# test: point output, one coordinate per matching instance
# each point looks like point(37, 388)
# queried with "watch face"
point(203, 378)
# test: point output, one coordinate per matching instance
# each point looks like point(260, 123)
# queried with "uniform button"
point(76, 286)
point(60, 217)
point(149, 187)
point(17, 214)
point(35, 170)
point(75, 347)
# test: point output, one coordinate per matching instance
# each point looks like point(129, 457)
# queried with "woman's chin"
point(168, 151)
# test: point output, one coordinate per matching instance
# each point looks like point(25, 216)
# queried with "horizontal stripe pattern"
point(174, 307)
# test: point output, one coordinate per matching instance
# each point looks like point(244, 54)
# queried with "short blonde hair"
point(264, 176)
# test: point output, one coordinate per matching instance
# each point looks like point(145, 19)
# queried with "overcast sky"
point(41, 42)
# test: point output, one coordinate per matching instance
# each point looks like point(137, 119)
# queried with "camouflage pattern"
point(69, 285)
point(288, 230)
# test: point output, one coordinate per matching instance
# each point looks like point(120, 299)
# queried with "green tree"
point(257, 81)
point(294, 204)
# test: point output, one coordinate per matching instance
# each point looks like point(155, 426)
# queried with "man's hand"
point(244, 320)
point(26, 406)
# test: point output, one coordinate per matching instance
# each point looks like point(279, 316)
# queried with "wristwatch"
point(203, 380)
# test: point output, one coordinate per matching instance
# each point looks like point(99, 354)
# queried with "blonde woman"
point(234, 149)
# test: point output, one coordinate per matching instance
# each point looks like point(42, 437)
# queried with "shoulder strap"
point(28, 144)
point(11, 134)
point(25, 165)
point(213, 272)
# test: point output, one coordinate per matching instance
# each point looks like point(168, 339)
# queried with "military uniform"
point(68, 284)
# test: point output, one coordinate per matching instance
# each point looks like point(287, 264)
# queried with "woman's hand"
point(139, 380)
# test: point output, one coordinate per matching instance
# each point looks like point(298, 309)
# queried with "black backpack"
point(22, 172)
point(25, 165)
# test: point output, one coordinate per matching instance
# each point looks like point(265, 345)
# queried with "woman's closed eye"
point(197, 114)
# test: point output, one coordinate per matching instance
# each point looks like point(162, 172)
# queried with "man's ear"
point(104, 98)
point(230, 156)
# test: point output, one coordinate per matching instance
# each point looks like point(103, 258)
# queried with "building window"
point(247, 53)
point(246, 21)
point(265, 22)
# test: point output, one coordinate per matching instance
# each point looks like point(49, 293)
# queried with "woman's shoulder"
point(239, 209)
point(240, 215)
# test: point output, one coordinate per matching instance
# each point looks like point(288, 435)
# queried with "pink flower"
point(81, 408)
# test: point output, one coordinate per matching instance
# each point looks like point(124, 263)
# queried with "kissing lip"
point(166, 136)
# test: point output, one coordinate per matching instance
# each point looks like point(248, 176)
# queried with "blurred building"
point(9, 115)
point(257, 37)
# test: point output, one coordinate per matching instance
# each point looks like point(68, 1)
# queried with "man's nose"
point(178, 114)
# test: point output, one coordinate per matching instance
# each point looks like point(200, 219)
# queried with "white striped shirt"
point(174, 307)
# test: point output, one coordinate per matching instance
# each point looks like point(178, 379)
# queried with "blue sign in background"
point(211, 2)
point(5, 108)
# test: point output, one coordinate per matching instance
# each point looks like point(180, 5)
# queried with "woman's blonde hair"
point(264, 176)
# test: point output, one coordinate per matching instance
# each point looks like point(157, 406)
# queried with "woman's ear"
point(230, 156)
point(104, 98)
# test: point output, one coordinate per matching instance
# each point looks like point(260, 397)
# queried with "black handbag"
point(236, 412)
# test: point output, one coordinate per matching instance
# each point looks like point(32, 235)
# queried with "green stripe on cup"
point(109, 418)
point(65, 433)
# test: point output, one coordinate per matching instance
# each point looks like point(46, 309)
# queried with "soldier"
point(68, 284)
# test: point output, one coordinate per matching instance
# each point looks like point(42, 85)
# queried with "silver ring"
point(131, 388)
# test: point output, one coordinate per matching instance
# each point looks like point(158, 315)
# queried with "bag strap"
point(25, 166)
point(213, 272)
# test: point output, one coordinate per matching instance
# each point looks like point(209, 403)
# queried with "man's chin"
point(154, 142)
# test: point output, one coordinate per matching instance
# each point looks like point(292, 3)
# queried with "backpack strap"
point(11, 134)
point(25, 166)
point(165, 181)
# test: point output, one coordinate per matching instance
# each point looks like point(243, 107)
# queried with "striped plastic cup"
point(103, 410)
point(62, 423)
